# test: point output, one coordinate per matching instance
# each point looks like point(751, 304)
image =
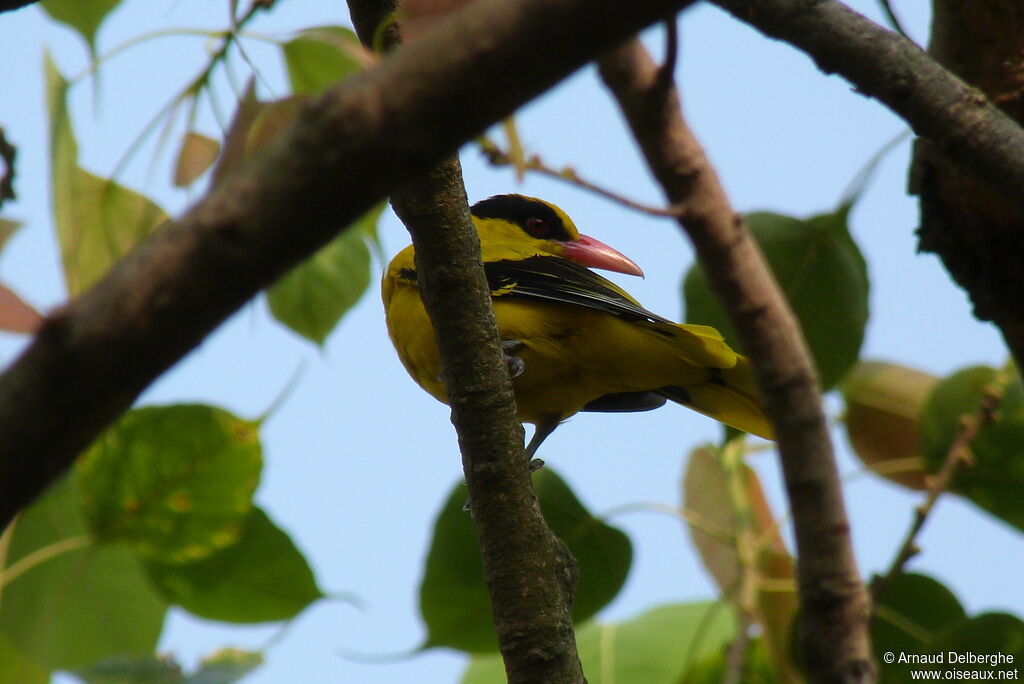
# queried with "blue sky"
point(359, 460)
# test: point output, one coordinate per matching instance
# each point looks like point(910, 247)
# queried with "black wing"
point(560, 280)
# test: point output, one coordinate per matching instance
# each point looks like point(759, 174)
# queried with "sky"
point(359, 459)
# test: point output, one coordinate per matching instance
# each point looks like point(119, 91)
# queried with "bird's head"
point(530, 225)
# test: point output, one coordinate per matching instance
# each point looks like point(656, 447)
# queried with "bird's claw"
point(515, 365)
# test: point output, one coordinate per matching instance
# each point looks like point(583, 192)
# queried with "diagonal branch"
point(833, 601)
point(344, 153)
point(974, 226)
point(969, 129)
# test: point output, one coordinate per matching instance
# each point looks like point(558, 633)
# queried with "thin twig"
point(8, 153)
point(958, 456)
point(666, 74)
point(736, 655)
point(499, 157)
point(197, 84)
point(894, 21)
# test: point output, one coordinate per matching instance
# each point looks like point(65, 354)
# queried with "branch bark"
point(978, 234)
point(529, 573)
point(834, 603)
point(967, 135)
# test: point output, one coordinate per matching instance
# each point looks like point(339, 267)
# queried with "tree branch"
point(979, 138)
point(344, 153)
point(977, 233)
point(975, 226)
point(834, 603)
point(8, 5)
point(529, 573)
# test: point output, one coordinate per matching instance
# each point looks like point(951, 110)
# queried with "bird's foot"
point(515, 365)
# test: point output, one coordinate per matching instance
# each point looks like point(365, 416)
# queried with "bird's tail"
point(729, 396)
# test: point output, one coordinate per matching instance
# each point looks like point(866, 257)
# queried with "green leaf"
point(914, 614)
point(658, 647)
point(756, 668)
point(917, 616)
point(81, 604)
point(84, 17)
point(995, 479)
point(989, 633)
point(320, 57)
point(822, 273)
point(312, 298)
point(129, 670)
point(98, 221)
point(226, 666)
point(260, 578)
point(223, 667)
point(173, 482)
point(16, 668)
point(453, 598)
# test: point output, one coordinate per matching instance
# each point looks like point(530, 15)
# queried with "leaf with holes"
point(175, 483)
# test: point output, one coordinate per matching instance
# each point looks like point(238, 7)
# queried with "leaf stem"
point(42, 555)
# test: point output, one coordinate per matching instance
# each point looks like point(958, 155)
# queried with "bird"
point(572, 339)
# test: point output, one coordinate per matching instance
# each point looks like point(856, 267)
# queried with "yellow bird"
point(573, 340)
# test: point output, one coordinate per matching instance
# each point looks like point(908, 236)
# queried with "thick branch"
point(834, 604)
point(529, 573)
point(976, 232)
point(344, 153)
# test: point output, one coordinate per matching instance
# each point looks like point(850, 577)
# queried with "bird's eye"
point(538, 227)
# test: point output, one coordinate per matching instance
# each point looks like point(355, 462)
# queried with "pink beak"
point(586, 251)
